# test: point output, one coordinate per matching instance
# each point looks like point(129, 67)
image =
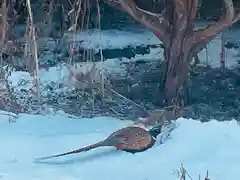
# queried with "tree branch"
point(207, 34)
point(194, 5)
point(159, 16)
point(236, 18)
point(147, 19)
point(114, 4)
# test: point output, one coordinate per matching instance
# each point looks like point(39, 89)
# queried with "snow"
point(212, 146)
point(112, 38)
point(20, 80)
point(120, 39)
point(212, 55)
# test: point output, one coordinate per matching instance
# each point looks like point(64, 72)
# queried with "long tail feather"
point(87, 148)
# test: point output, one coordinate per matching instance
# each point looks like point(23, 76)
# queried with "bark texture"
point(174, 26)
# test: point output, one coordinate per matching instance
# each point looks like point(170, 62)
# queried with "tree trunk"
point(181, 41)
point(177, 56)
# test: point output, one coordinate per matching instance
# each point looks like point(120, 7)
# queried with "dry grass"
point(183, 174)
point(74, 18)
point(34, 52)
point(9, 16)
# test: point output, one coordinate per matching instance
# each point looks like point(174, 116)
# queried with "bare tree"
point(181, 41)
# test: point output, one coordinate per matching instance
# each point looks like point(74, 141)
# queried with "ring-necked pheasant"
point(129, 139)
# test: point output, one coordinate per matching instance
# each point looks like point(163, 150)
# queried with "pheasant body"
point(128, 139)
point(131, 139)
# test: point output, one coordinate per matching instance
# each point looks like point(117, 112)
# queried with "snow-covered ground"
point(212, 146)
point(119, 39)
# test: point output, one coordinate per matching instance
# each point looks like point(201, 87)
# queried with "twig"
point(8, 114)
point(149, 13)
point(142, 10)
point(112, 109)
point(74, 29)
point(223, 53)
point(129, 100)
point(100, 49)
point(206, 178)
point(189, 175)
point(184, 172)
point(35, 53)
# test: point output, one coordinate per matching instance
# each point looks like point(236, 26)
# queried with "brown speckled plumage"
point(129, 139)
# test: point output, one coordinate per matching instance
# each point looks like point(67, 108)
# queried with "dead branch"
point(129, 100)
point(35, 52)
point(207, 34)
point(145, 18)
point(150, 13)
point(9, 114)
point(184, 173)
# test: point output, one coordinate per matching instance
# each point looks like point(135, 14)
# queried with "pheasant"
point(128, 139)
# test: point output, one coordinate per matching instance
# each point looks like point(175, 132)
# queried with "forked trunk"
point(176, 76)
point(181, 41)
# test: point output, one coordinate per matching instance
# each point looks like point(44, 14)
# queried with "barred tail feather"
point(87, 148)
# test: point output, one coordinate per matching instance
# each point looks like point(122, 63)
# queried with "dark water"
point(213, 94)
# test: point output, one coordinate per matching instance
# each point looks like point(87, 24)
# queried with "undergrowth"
point(23, 50)
point(54, 18)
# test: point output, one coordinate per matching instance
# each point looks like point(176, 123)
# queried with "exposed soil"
point(212, 94)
